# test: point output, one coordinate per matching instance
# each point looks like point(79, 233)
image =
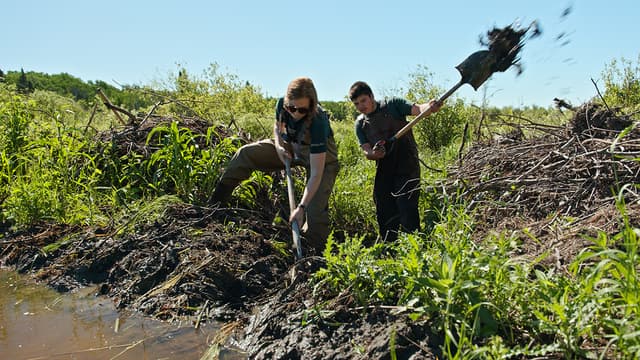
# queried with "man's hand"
point(380, 148)
point(434, 106)
point(376, 152)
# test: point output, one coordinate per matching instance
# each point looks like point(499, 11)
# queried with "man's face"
point(365, 104)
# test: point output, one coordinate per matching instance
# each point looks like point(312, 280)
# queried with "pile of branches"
point(134, 137)
point(568, 171)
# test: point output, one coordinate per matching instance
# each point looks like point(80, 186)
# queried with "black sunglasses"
point(293, 109)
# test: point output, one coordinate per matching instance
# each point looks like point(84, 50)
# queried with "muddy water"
point(39, 323)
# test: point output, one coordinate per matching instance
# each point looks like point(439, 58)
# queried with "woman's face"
point(298, 108)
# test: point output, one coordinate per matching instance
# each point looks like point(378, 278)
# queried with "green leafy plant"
point(180, 166)
point(622, 83)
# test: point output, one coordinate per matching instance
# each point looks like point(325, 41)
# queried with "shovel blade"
point(297, 243)
point(477, 68)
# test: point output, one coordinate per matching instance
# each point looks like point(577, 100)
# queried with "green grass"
point(484, 299)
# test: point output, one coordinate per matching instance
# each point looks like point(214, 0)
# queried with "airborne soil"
point(229, 265)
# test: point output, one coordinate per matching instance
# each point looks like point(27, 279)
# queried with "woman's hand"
point(283, 154)
point(297, 215)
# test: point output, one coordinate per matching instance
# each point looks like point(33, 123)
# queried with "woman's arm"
point(282, 152)
point(313, 183)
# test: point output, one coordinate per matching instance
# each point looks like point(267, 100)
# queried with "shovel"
point(474, 70)
point(295, 228)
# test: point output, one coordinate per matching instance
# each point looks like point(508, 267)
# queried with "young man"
point(397, 183)
point(301, 133)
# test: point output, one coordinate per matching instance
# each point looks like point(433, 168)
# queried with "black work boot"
point(221, 194)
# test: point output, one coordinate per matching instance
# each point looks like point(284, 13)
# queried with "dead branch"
point(116, 109)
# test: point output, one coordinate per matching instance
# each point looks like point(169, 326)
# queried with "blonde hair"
point(300, 88)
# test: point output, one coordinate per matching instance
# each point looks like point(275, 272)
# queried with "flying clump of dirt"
point(506, 43)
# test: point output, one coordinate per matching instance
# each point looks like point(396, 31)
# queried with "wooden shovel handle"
point(423, 114)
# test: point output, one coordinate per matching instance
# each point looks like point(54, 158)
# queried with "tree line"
point(131, 97)
point(70, 86)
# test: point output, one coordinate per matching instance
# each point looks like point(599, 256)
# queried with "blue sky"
point(268, 43)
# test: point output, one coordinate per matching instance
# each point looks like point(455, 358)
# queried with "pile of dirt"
point(342, 331)
point(230, 265)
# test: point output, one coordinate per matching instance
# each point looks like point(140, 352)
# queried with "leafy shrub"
point(219, 97)
point(622, 83)
point(442, 128)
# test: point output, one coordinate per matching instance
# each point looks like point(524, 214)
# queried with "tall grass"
point(484, 300)
point(351, 201)
point(53, 169)
point(179, 166)
point(46, 166)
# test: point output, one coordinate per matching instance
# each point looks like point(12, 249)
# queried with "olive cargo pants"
point(262, 156)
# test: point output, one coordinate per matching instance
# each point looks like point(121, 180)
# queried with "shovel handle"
point(423, 114)
point(290, 189)
point(295, 228)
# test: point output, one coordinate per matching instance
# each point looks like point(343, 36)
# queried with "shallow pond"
point(37, 322)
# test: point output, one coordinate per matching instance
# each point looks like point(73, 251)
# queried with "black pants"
point(396, 192)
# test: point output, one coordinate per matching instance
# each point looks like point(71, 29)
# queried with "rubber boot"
point(221, 194)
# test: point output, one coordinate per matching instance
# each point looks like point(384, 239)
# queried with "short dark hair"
point(359, 88)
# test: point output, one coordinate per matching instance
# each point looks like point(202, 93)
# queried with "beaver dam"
point(199, 264)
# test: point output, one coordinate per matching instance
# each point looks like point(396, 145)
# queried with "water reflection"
point(39, 323)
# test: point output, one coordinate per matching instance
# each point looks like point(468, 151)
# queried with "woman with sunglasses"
point(302, 134)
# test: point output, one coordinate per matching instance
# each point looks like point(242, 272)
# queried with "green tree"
point(443, 127)
point(622, 82)
point(24, 85)
point(218, 96)
point(340, 110)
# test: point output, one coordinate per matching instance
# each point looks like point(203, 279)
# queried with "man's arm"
point(433, 106)
point(369, 151)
